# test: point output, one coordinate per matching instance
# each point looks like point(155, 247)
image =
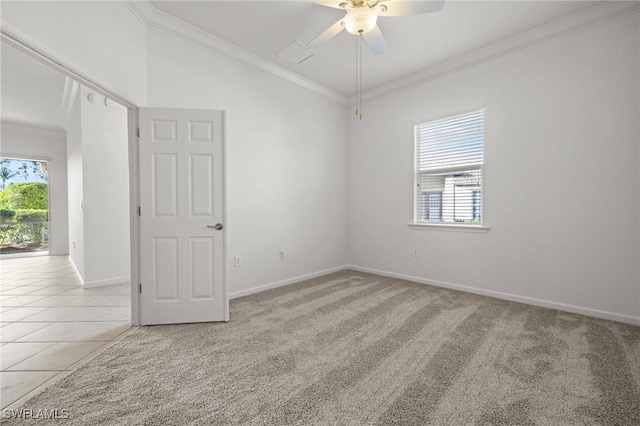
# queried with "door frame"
point(43, 54)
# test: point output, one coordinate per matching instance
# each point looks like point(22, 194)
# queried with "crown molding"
point(595, 15)
point(166, 24)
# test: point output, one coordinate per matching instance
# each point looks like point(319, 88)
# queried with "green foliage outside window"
point(31, 196)
point(23, 213)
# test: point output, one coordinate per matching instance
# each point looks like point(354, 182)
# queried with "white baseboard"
point(98, 283)
point(108, 281)
point(627, 319)
point(293, 280)
point(75, 268)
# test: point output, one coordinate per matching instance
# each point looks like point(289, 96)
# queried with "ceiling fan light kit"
point(360, 20)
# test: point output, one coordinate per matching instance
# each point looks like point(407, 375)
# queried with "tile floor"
point(49, 323)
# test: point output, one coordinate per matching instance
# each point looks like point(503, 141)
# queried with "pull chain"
point(358, 78)
point(357, 74)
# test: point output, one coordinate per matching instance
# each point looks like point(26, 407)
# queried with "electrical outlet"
point(237, 262)
point(415, 252)
point(281, 255)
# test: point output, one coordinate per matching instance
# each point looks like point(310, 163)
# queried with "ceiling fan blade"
point(375, 41)
point(410, 7)
point(330, 32)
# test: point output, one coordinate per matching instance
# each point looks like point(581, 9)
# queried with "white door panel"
point(181, 197)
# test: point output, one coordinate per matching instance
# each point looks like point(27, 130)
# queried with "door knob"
point(217, 226)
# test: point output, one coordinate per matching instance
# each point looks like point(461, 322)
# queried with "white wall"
point(75, 187)
point(105, 181)
point(34, 143)
point(97, 148)
point(561, 176)
point(286, 165)
point(100, 39)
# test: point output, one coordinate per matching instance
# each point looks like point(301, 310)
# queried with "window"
point(449, 156)
point(431, 207)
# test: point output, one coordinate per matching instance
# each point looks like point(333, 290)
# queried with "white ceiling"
point(31, 91)
point(414, 42)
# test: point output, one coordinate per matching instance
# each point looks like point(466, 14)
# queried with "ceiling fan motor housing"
point(360, 20)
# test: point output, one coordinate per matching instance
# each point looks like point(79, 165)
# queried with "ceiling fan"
point(362, 16)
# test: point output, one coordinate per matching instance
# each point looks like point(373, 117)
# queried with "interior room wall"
point(22, 141)
point(105, 177)
point(98, 158)
point(561, 193)
point(285, 163)
point(75, 186)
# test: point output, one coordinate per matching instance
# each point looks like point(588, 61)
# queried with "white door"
point(181, 217)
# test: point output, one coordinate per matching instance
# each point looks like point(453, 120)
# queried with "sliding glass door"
point(24, 206)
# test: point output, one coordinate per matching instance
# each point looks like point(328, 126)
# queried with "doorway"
point(24, 207)
point(64, 193)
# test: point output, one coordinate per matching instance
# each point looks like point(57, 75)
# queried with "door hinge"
point(140, 288)
point(139, 211)
point(138, 131)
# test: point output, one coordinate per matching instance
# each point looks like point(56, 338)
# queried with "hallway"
point(49, 323)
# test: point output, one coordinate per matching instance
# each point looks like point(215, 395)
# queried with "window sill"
point(480, 229)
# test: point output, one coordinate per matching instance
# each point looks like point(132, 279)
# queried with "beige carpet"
point(359, 349)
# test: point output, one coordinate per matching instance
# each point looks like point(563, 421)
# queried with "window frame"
point(481, 227)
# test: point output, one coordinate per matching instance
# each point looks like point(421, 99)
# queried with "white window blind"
point(449, 155)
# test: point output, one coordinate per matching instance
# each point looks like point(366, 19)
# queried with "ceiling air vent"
point(296, 52)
